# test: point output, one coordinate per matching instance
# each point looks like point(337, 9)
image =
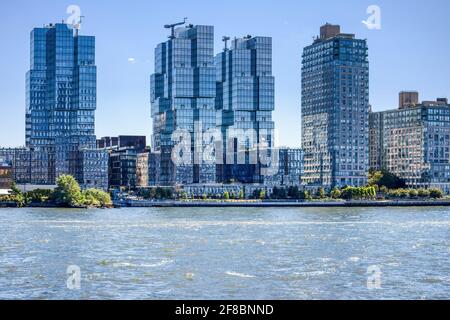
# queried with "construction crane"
point(172, 26)
point(226, 39)
point(78, 25)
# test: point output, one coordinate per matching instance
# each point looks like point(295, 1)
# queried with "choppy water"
point(225, 253)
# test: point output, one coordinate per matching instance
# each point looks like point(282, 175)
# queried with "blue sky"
point(410, 52)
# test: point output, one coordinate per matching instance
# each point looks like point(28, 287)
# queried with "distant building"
point(6, 179)
point(413, 142)
point(290, 168)
point(154, 161)
point(137, 142)
point(408, 99)
point(183, 91)
point(18, 159)
point(122, 168)
point(107, 142)
point(245, 102)
point(375, 140)
point(142, 170)
point(90, 168)
point(28, 166)
point(126, 165)
point(335, 110)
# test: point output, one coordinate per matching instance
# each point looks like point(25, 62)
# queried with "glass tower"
point(245, 102)
point(335, 110)
point(61, 98)
point(182, 94)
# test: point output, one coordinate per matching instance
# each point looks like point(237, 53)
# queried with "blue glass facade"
point(61, 98)
point(182, 95)
point(90, 168)
point(335, 110)
point(245, 102)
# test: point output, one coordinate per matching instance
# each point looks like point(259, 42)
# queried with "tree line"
point(68, 193)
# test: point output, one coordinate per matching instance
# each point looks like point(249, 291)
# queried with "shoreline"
point(265, 204)
point(284, 204)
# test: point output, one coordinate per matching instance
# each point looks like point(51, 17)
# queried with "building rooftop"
point(330, 31)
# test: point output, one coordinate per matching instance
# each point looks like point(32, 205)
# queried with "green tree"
point(15, 190)
point(423, 193)
point(304, 195)
point(359, 193)
point(348, 193)
point(39, 196)
point(282, 194)
point(336, 193)
point(168, 193)
point(262, 195)
point(436, 193)
point(294, 192)
point(384, 190)
point(321, 193)
point(386, 179)
point(159, 193)
point(413, 193)
point(403, 193)
point(226, 195)
point(375, 177)
point(97, 198)
point(184, 195)
point(68, 192)
point(275, 193)
point(372, 192)
point(15, 196)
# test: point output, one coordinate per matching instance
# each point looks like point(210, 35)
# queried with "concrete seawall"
point(350, 204)
point(8, 205)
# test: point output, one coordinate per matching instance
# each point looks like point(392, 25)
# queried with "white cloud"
point(131, 60)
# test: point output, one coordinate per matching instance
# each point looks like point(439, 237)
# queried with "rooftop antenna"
point(226, 39)
point(172, 26)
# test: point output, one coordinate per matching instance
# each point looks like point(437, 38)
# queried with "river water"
point(227, 253)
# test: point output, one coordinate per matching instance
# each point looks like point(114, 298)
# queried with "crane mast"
point(172, 27)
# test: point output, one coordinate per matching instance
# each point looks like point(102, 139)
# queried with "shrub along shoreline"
point(67, 194)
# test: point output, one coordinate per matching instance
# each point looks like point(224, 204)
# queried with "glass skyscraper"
point(335, 110)
point(61, 99)
point(245, 102)
point(183, 91)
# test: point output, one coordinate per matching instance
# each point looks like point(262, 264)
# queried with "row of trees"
point(391, 186)
point(347, 193)
point(355, 193)
point(67, 194)
point(415, 194)
point(157, 193)
point(386, 179)
point(15, 196)
point(224, 196)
